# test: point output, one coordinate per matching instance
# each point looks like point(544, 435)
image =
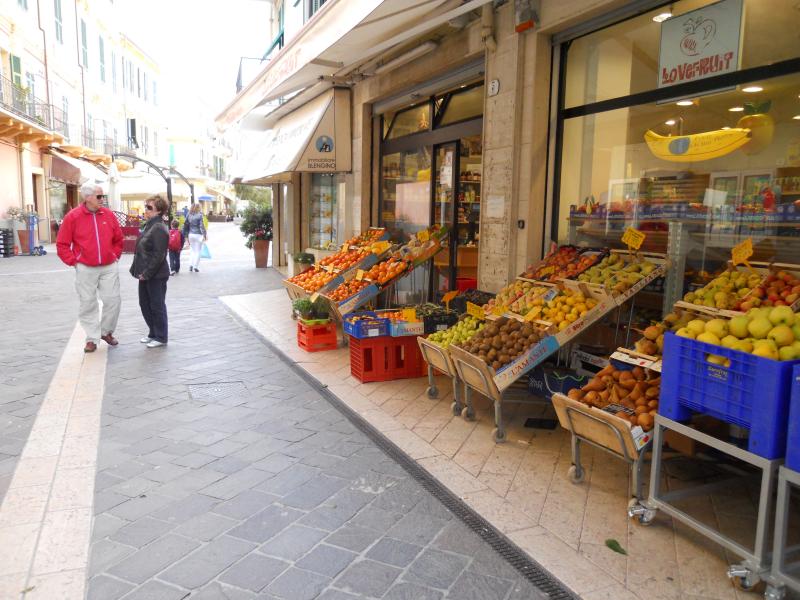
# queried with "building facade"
point(81, 92)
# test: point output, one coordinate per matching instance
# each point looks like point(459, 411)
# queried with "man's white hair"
point(88, 189)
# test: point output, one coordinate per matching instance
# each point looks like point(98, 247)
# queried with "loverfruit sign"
point(701, 43)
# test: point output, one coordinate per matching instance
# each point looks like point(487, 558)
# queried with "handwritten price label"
point(410, 314)
point(423, 236)
point(360, 275)
point(476, 311)
point(741, 252)
point(448, 297)
point(633, 238)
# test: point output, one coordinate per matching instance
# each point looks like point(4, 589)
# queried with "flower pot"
point(261, 252)
point(24, 241)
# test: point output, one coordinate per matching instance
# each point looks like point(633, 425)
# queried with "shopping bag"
point(205, 252)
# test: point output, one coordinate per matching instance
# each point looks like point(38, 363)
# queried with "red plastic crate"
point(386, 358)
point(466, 283)
point(314, 338)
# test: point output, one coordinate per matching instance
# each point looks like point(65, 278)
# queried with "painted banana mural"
point(698, 146)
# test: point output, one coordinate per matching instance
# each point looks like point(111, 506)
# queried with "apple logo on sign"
point(700, 33)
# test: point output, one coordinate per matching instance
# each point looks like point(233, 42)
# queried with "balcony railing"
point(21, 102)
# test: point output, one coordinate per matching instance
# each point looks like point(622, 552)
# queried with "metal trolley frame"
point(780, 578)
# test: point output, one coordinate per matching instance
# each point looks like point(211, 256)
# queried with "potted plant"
point(257, 226)
point(21, 217)
point(300, 262)
point(311, 313)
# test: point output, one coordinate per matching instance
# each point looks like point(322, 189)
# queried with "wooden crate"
point(437, 357)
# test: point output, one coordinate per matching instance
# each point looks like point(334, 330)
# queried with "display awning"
point(89, 171)
point(315, 138)
point(61, 170)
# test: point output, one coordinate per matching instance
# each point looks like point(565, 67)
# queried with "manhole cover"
point(217, 391)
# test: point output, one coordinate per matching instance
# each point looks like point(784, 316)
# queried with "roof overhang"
point(23, 131)
point(315, 138)
point(336, 41)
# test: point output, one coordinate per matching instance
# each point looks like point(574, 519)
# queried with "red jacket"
point(92, 239)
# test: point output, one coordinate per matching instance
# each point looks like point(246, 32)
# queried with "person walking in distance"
point(150, 268)
point(90, 240)
point(195, 230)
point(176, 242)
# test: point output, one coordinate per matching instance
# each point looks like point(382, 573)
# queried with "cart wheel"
point(575, 474)
point(640, 512)
point(745, 580)
point(455, 409)
point(433, 392)
point(499, 438)
point(468, 414)
point(775, 593)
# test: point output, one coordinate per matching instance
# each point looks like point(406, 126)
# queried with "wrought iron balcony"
point(21, 102)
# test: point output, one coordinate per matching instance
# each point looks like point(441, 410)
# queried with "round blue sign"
point(324, 143)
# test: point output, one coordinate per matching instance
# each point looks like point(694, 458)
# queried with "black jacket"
point(150, 259)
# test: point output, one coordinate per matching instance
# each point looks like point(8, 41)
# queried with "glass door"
point(444, 209)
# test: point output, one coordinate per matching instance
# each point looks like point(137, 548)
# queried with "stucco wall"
point(9, 175)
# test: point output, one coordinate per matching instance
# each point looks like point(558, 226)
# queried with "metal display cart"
point(755, 565)
point(780, 575)
point(438, 359)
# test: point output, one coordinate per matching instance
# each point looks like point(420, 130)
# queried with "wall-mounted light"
point(661, 17)
point(752, 89)
point(736, 109)
point(685, 102)
point(406, 57)
point(796, 117)
point(670, 122)
point(726, 127)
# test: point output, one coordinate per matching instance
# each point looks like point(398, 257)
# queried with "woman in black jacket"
point(150, 268)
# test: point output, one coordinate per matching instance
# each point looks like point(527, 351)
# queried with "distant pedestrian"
point(90, 239)
point(195, 231)
point(176, 242)
point(150, 268)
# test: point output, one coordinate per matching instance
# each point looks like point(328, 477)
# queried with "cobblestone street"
point(218, 473)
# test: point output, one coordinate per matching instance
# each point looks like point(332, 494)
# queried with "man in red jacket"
point(90, 239)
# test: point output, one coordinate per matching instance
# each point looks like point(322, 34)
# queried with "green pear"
point(759, 327)
point(708, 338)
point(787, 353)
point(765, 351)
point(796, 331)
point(685, 332)
point(719, 327)
point(730, 341)
point(744, 346)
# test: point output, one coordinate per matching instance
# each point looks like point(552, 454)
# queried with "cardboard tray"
point(638, 359)
point(600, 427)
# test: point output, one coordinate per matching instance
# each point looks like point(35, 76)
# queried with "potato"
point(640, 410)
point(652, 404)
point(575, 394)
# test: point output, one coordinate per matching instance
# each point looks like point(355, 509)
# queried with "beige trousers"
point(91, 282)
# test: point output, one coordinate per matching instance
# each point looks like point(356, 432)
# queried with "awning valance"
point(61, 170)
point(89, 172)
point(315, 138)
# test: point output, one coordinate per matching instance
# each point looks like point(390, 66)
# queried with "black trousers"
point(152, 301)
point(174, 261)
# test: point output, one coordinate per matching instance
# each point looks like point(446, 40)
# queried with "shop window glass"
point(623, 59)
point(323, 220)
point(411, 120)
point(463, 105)
point(615, 177)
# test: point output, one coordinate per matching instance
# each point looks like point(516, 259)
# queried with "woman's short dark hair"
point(159, 204)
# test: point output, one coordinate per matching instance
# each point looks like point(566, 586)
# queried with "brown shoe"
point(109, 339)
point(90, 347)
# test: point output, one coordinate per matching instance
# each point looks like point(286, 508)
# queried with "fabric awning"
point(89, 172)
point(315, 138)
point(61, 170)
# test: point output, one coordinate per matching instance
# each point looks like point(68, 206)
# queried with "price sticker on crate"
point(448, 297)
point(633, 238)
point(475, 311)
point(360, 274)
point(410, 315)
point(423, 236)
point(741, 252)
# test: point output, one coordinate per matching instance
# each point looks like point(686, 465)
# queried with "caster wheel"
point(575, 474)
point(455, 409)
point(640, 513)
point(499, 438)
point(775, 593)
point(433, 392)
point(467, 414)
point(746, 584)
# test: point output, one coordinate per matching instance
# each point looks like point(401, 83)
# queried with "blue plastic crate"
point(752, 393)
point(793, 435)
point(374, 327)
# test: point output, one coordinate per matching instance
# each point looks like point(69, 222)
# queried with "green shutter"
point(16, 70)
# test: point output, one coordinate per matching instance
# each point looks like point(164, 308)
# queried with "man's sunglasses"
point(102, 196)
point(148, 207)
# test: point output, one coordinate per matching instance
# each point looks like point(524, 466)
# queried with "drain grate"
point(219, 390)
point(528, 568)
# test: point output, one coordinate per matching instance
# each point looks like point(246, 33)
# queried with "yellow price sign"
point(633, 238)
point(741, 252)
point(410, 314)
point(448, 297)
point(360, 274)
point(328, 268)
point(475, 311)
point(314, 297)
point(423, 236)
point(499, 310)
point(380, 247)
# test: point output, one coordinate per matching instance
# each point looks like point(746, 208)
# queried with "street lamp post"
point(160, 170)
